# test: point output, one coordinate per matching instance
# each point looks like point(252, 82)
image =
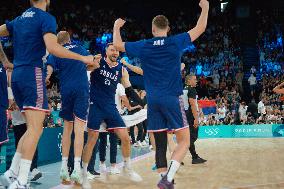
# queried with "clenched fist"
point(204, 4)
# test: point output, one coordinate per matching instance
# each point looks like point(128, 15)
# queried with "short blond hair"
point(161, 22)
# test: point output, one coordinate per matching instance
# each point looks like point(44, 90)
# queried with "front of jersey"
point(72, 73)
point(104, 82)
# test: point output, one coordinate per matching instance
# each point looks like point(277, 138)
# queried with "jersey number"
point(107, 81)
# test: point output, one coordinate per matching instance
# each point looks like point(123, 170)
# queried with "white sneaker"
point(132, 175)
point(16, 185)
point(64, 176)
point(77, 177)
point(35, 175)
point(144, 144)
point(90, 176)
point(151, 147)
point(103, 168)
point(86, 184)
point(114, 170)
point(8, 178)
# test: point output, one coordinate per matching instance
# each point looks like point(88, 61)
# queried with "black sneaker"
point(35, 175)
point(95, 174)
point(198, 160)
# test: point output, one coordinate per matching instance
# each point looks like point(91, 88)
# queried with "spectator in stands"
point(243, 112)
point(222, 110)
point(252, 82)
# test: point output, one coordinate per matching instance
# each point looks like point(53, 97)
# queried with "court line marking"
point(256, 185)
point(119, 165)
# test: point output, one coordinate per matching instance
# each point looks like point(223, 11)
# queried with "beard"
point(113, 58)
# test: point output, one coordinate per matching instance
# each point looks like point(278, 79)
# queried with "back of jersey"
point(72, 73)
point(27, 33)
point(161, 63)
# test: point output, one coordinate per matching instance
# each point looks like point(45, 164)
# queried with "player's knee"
point(35, 132)
point(92, 139)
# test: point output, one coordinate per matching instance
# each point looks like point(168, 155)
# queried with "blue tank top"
point(104, 82)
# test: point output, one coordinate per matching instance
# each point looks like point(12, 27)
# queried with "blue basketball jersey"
point(27, 33)
point(72, 73)
point(3, 89)
point(161, 63)
point(104, 82)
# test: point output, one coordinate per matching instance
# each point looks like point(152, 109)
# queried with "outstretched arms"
point(202, 21)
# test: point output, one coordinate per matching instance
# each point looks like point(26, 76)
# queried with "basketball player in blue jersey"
point(4, 65)
point(161, 64)
point(104, 82)
point(32, 33)
point(74, 89)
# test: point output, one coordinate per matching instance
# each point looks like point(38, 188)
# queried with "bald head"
point(63, 37)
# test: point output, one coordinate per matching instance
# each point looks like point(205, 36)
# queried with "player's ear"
point(169, 28)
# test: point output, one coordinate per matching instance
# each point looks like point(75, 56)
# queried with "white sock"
point(24, 171)
point(85, 169)
point(126, 162)
point(162, 174)
point(77, 163)
point(15, 165)
point(64, 164)
point(174, 166)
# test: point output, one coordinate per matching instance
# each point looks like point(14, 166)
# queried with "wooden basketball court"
point(232, 164)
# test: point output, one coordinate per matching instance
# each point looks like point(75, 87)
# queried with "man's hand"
point(204, 4)
point(195, 124)
point(96, 63)
point(119, 23)
point(8, 65)
point(47, 82)
point(89, 60)
point(123, 61)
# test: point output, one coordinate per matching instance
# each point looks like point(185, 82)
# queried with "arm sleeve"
point(133, 49)
point(182, 41)
point(191, 94)
point(48, 24)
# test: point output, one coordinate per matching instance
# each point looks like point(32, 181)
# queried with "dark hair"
point(109, 44)
point(161, 22)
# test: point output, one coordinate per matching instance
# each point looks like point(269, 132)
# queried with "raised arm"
point(59, 51)
point(135, 69)
point(117, 40)
point(279, 89)
point(202, 21)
